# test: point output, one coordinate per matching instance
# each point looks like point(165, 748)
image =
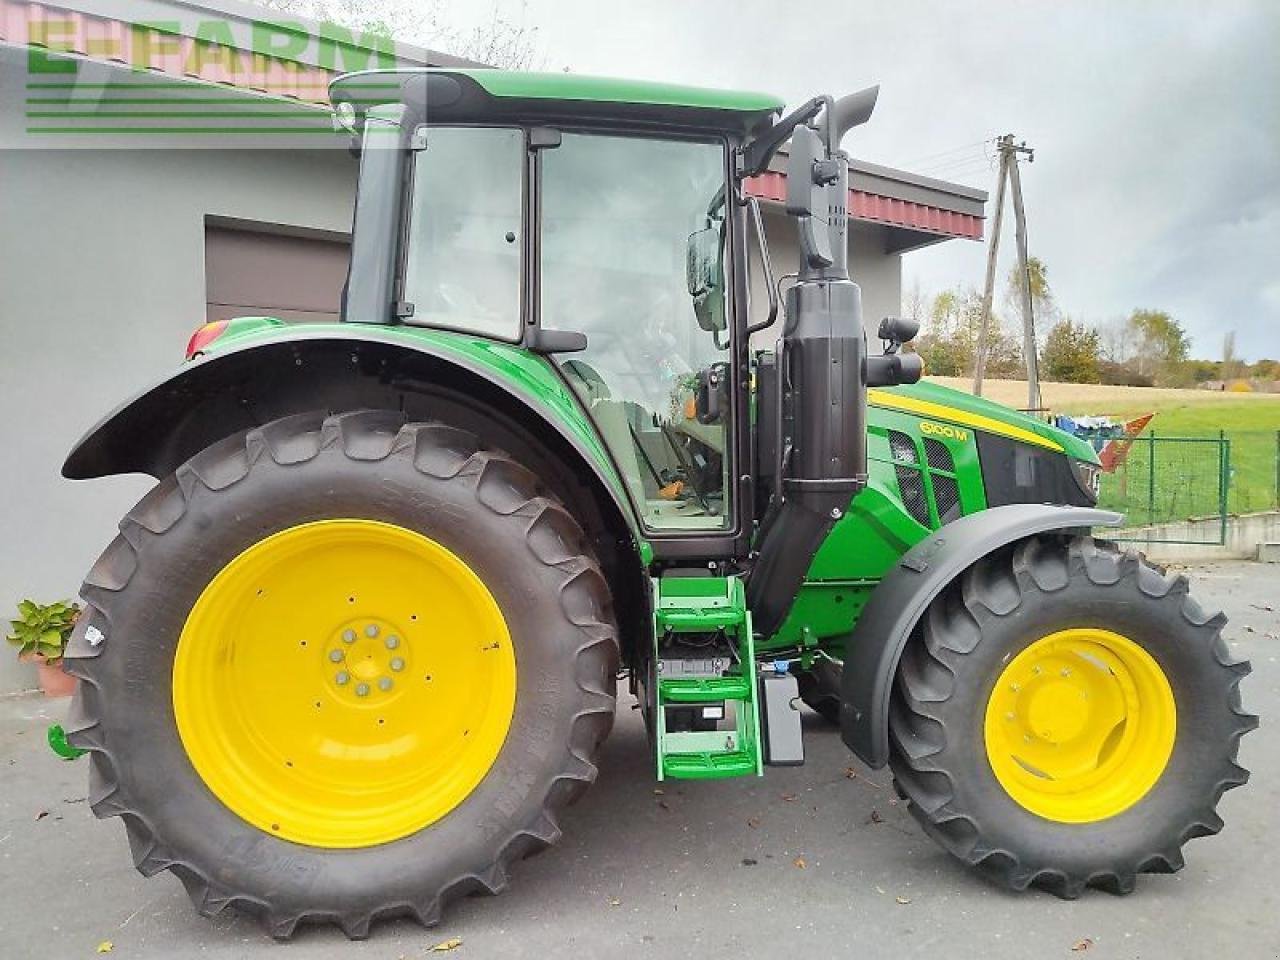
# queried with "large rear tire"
point(1067, 716)
point(223, 616)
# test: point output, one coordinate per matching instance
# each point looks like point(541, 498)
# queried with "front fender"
point(901, 598)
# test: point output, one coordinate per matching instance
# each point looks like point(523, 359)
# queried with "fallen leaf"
point(788, 797)
point(614, 902)
point(658, 791)
point(749, 861)
point(875, 816)
point(850, 773)
point(903, 900)
point(799, 863)
point(42, 814)
point(753, 822)
point(1081, 945)
point(444, 946)
point(106, 946)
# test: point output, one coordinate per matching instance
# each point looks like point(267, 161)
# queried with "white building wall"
point(878, 274)
point(101, 284)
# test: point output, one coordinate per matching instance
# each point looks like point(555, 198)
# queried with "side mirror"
point(704, 274)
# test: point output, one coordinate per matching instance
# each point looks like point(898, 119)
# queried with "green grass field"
point(1186, 474)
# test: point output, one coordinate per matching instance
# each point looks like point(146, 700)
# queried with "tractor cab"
point(607, 234)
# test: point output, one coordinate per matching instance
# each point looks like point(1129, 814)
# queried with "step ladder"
point(700, 610)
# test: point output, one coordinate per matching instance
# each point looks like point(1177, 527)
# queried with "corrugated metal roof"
point(874, 208)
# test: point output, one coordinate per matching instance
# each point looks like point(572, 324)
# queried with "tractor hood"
point(936, 402)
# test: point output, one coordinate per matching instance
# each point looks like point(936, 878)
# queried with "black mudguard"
point(875, 646)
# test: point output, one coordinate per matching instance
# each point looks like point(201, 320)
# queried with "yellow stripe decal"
point(976, 420)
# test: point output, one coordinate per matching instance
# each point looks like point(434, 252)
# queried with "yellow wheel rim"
point(344, 683)
point(1080, 725)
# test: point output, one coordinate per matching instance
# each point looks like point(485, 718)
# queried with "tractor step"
point(705, 671)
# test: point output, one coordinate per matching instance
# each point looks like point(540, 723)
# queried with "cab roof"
point(456, 94)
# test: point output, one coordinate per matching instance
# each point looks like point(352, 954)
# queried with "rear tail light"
point(204, 336)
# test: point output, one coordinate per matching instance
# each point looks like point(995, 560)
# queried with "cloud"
point(1156, 125)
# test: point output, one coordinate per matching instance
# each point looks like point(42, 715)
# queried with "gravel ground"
point(816, 861)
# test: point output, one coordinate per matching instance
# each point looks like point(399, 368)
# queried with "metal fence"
point(1185, 489)
point(1178, 485)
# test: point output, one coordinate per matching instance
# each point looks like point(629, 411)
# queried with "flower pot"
point(54, 681)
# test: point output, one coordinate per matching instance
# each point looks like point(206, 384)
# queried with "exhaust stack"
point(822, 356)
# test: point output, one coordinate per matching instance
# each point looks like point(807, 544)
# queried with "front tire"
point(201, 621)
point(1067, 716)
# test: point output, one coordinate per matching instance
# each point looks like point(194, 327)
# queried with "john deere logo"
point(943, 430)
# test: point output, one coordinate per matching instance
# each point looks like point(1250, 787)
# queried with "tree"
point(1163, 345)
point(499, 40)
point(1041, 296)
point(1232, 368)
point(949, 344)
point(1071, 353)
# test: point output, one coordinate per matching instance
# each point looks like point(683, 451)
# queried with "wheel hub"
point(363, 659)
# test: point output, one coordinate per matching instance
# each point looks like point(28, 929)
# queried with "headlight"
point(1088, 476)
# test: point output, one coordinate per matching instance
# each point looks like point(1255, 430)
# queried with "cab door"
point(634, 251)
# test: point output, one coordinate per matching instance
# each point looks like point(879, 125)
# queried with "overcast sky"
point(1156, 125)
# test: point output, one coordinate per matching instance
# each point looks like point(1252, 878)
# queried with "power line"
point(955, 161)
point(943, 153)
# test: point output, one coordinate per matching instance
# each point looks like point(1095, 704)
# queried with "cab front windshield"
point(631, 253)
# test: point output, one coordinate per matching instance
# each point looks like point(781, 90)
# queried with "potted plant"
point(40, 633)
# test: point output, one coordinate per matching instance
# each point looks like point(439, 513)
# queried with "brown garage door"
point(249, 272)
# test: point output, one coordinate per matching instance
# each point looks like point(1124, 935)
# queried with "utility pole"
point(988, 289)
point(1008, 176)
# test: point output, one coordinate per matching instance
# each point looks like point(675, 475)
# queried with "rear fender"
point(511, 398)
point(901, 598)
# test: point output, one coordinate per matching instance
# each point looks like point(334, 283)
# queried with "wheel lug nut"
point(362, 689)
point(397, 664)
point(348, 636)
point(371, 630)
point(392, 642)
point(384, 683)
point(342, 677)
point(335, 656)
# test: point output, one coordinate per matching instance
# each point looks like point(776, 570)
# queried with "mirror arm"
point(757, 221)
point(757, 154)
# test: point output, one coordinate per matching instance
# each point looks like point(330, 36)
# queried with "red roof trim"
point(874, 208)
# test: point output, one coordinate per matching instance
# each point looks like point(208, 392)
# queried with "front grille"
point(941, 468)
point(902, 448)
point(946, 492)
point(938, 456)
point(910, 480)
point(911, 483)
point(947, 495)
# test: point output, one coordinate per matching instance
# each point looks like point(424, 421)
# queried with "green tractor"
point(359, 646)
